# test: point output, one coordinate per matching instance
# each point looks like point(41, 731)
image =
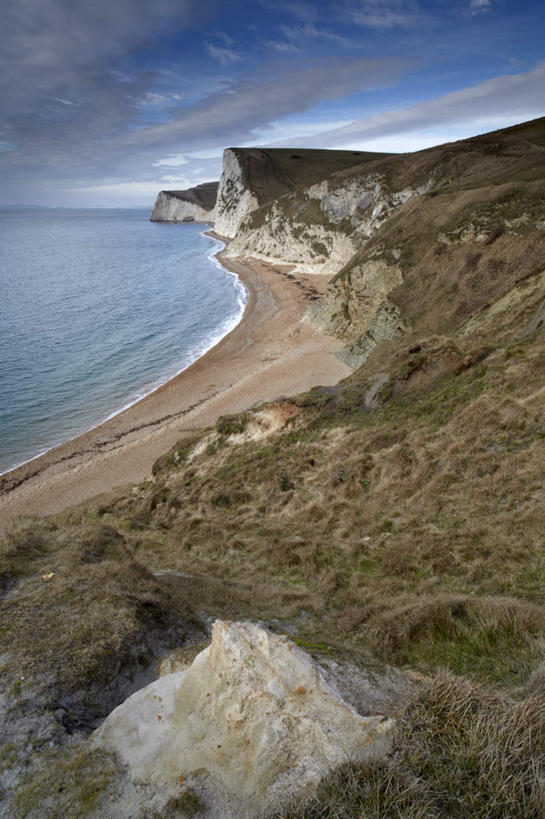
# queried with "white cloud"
point(283, 46)
point(480, 6)
point(250, 103)
point(135, 188)
point(223, 36)
point(306, 31)
point(172, 161)
point(226, 56)
point(382, 14)
point(152, 98)
point(492, 104)
point(296, 130)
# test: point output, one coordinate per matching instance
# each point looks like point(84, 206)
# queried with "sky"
point(106, 102)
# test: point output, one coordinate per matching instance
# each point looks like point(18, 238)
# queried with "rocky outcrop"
point(192, 205)
point(235, 197)
point(250, 725)
point(357, 310)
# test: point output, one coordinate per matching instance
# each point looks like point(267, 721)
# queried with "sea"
point(99, 307)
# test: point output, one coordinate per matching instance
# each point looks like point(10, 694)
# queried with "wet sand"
point(270, 354)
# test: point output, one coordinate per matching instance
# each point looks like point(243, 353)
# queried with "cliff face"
point(461, 243)
point(235, 197)
point(414, 242)
point(319, 228)
point(191, 205)
point(252, 177)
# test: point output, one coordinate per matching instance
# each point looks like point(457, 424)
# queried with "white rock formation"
point(169, 208)
point(191, 205)
point(235, 199)
point(250, 725)
point(318, 229)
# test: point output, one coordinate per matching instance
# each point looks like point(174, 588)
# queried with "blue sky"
point(106, 103)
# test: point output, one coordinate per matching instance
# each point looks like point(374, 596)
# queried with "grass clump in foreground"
point(459, 751)
point(78, 607)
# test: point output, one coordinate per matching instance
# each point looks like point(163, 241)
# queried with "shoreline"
point(267, 355)
point(213, 255)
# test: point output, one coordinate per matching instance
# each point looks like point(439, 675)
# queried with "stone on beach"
point(250, 725)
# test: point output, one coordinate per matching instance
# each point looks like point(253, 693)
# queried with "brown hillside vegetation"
point(395, 518)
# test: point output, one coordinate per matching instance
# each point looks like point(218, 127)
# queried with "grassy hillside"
point(396, 518)
point(404, 207)
point(447, 254)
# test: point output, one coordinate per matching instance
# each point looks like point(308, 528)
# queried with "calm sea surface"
point(97, 308)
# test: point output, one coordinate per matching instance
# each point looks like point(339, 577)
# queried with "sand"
point(270, 354)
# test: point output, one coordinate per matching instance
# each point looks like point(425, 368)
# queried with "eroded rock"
point(249, 726)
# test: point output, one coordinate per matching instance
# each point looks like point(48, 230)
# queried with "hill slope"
point(396, 519)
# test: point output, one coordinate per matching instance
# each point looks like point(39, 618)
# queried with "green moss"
point(232, 424)
point(311, 646)
point(8, 756)
point(317, 398)
point(286, 482)
point(499, 655)
point(187, 804)
point(66, 784)
point(176, 458)
point(319, 249)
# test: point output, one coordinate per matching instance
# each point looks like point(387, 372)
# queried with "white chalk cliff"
point(252, 177)
point(235, 199)
point(319, 229)
point(191, 205)
point(248, 726)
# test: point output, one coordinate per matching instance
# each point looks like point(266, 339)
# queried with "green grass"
point(66, 784)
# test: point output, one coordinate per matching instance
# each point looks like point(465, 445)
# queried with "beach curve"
point(269, 354)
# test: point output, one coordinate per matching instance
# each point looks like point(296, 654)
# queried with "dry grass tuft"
point(82, 610)
point(460, 750)
point(497, 638)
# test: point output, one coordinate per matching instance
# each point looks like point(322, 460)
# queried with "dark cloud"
point(53, 46)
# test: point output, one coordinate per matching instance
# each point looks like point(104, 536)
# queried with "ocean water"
point(97, 309)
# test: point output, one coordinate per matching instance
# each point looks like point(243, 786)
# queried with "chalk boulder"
point(250, 725)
